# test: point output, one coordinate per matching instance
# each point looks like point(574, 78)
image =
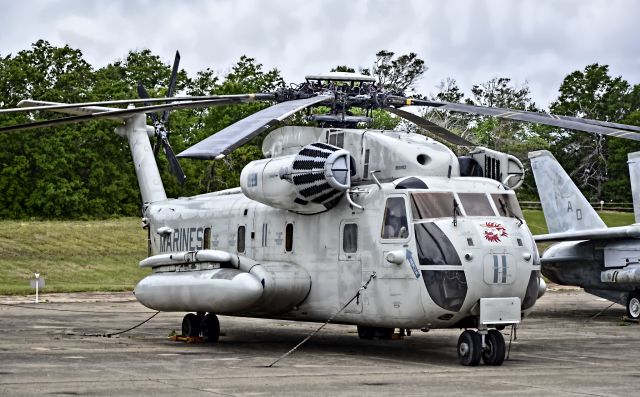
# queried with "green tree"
point(343, 68)
point(597, 163)
point(38, 168)
point(398, 75)
point(458, 123)
point(497, 133)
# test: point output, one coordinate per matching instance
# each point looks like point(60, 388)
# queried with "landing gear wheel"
point(633, 305)
point(210, 328)
point(190, 325)
point(494, 351)
point(366, 332)
point(469, 348)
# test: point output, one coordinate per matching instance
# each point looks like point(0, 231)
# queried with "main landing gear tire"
point(210, 328)
point(365, 332)
point(191, 325)
point(633, 305)
point(469, 348)
point(494, 351)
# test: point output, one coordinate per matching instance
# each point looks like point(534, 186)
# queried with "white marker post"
point(37, 282)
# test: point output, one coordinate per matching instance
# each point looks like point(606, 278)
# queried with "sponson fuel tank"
point(219, 282)
point(222, 291)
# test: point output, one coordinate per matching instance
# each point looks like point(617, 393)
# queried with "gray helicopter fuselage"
point(485, 256)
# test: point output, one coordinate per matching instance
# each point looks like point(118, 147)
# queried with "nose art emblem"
point(493, 231)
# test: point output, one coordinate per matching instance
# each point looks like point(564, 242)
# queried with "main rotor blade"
point(172, 84)
point(598, 122)
point(434, 128)
point(573, 123)
point(235, 135)
point(126, 113)
point(60, 106)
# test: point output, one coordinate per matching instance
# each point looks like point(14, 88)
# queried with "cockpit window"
point(395, 219)
point(434, 247)
point(476, 204)
point(433, 205)
point(507, 205)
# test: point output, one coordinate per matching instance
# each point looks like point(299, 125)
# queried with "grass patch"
point(72, 256)
point(75, 256)
point(537, 225)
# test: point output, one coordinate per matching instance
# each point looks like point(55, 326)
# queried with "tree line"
point(85, 170)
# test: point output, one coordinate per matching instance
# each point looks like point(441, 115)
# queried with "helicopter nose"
point(499, 269)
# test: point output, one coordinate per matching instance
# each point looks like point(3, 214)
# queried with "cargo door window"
point(350, 238)
point(265, 229)
point(241, 239)
point(395, 223)
point(288, 237)
point(207, 238)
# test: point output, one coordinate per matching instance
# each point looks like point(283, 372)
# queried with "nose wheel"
point(494, 348)
point(471, 348)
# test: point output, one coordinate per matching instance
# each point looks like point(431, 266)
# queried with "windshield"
point(476, 204)
point(432, 205)
point(507, 205)
point(444, 205)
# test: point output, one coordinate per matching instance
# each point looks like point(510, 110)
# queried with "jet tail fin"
point(565, 208)
point(634, 175)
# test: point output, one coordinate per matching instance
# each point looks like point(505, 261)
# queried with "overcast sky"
point(538, 41)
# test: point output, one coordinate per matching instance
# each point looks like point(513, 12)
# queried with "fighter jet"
point(605, 261)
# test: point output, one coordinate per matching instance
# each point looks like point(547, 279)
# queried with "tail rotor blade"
point(156, 145)
point(142, 93)
point(174, 165)
point(172, 84)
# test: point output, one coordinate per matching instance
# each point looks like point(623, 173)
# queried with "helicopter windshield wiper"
point(508, 212)
point(456, 212)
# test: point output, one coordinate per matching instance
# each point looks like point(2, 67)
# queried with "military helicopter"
point(439, 240)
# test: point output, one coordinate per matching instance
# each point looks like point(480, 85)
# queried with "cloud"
point(472, 41)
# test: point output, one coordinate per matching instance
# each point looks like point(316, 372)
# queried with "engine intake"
point(320, 173)
point(311, 181)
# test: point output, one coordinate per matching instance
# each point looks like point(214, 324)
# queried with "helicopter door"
point(349, 266)
point(394, 236)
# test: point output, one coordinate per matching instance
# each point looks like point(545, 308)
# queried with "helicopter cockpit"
point(461, 234)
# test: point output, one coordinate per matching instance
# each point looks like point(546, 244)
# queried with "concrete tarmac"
point(561, 350)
